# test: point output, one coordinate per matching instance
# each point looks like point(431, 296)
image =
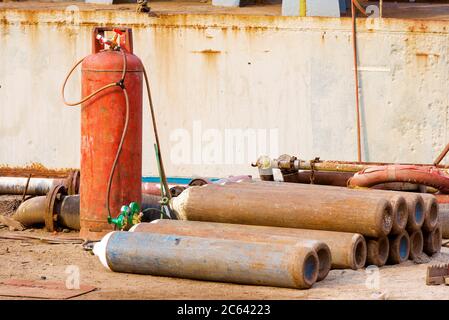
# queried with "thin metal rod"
point(441, 155)
point(26, 188)
point(356, 78)
point(156, 137)
point(381, 5)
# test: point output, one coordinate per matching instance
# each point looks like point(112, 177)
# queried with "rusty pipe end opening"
point(310, 269)
point(324, 261)
point(416, 244)
point(419, 213)
point(401, 215)
point(359, 252)
point(416, 214)
point(431, 220)
point(404, 248)
point(399, 248)
point(386, 223)
point(383, 250)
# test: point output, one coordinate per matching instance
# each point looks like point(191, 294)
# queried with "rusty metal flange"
point(51, 217)
point(73, 182)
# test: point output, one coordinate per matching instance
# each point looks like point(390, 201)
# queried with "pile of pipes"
point(277, 234)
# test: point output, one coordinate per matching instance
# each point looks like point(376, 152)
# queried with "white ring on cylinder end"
point(100, 249)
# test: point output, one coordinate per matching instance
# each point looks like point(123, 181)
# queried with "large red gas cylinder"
point(102, 124)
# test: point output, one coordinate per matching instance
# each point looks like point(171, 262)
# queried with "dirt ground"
point(33, 260)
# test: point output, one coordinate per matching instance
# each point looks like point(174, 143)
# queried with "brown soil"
point(33, 260)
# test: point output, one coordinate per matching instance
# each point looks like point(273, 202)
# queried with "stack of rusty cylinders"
point(393, 226)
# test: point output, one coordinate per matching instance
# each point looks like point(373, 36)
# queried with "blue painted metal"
point(172, 180)
point(404, 248)
point(419, 213)
point(280, 265)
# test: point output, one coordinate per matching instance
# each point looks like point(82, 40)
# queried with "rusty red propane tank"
point(102, 124)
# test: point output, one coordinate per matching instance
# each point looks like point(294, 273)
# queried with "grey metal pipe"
point(69, 212)
point(348, 250)
point(237, 232)
point(32, 212)
point(270, 264)
point(37, 186)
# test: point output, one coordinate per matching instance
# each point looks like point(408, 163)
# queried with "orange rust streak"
point(37, 170)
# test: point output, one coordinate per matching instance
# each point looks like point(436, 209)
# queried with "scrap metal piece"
point(437, 274)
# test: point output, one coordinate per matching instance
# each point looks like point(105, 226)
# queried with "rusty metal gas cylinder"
point(102, 123)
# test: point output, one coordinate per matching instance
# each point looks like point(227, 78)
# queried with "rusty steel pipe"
point(37, 186)
point(377, 251)
point(399, 248)
point(415, 208)
point(291, 162)
point(348, 250)
point(429, 176)
point(443, 217)
point(171, 255)
point(397, 201)
point(441, 155)
point(430, 212)
point(295, 209)
point(416, 244)
point(236, 232)
point(432, 241)
point(330, 178)
point(32, 211)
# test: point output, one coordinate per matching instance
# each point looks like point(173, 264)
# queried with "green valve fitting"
point(129, 216)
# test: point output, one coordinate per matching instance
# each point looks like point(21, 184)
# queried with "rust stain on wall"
point(35, 169)
point(207, 51)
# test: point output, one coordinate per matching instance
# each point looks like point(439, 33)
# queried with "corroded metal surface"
point(297, 208)
point(172, 41)
point(431, 210)
point(432, 241)
point(399, 248)
point(238, 232)
point(103, 120)
point(443, 217)
point(280, 265)
point(377, 251)
point(348, 250)
point(416, 244)
point(36, 170)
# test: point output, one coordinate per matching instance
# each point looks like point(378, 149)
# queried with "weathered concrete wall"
point(234, 72)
